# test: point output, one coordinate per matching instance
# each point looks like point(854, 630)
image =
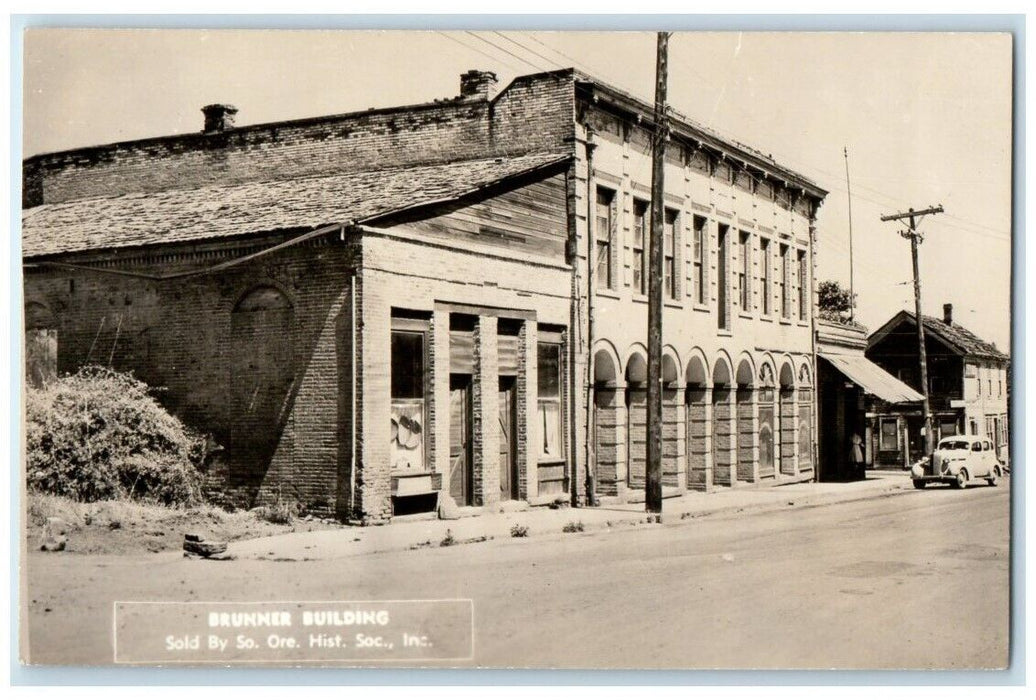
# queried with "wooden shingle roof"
point(216, 212)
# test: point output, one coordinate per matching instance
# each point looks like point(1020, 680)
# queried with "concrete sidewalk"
point(405, 533)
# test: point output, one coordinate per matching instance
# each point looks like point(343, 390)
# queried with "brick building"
point(967, 385)
point(374, 311)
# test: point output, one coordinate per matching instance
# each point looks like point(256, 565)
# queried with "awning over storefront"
point(872, 378)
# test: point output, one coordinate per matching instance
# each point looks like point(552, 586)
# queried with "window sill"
point(607, 294)
point(671, 304)
point(768, 319)
point(785, 321)
point(702, 307)
point(742, 314)
point(725, 333)
point(640, 298)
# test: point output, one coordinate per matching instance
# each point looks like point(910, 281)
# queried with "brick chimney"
point(478, 83)
point(947, 314)
point(218, 118)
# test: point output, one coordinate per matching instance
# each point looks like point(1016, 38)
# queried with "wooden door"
point(460, 439)
point(508, 460)
point(767, 461)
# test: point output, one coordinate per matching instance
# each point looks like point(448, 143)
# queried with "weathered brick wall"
point(672, 437)
point(723, 436)
point(610, 428)
point(746, 435)
point(697, 431)
point(177, 335)
point(534, 114)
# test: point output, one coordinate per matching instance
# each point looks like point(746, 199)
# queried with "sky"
point(925, 118)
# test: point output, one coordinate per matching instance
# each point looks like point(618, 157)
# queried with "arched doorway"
point(767, 431)
point(636, 420)
point(723, 435)
point(261, 376)
point(696, 397)
point(786, 411)
point(607, 426)
point(745, 418)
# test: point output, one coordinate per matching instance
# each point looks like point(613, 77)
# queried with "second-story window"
point(669, 245)
point(764, 276)
point(803, 286)
point(784, 284)
point(745, 272)
point(603, 234)
point(640, 236)
point(700, 223)
point(722, 290)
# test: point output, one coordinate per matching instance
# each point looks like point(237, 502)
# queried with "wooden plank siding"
point(527, 219)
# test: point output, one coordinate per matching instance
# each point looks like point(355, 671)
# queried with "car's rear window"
point(955, 445)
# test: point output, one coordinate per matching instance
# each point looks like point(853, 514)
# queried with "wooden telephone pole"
point(653, 480)
point(913, 219)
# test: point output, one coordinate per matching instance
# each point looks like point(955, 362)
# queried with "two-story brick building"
point(376, 311)
point(967, 385)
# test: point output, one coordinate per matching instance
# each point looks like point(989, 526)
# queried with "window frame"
point(604, 241)
point(745, 271)
point(641, 229)
point(700, 238)
point(421, 329)
point(765, 276)
point(670, 237)
point(557, 400)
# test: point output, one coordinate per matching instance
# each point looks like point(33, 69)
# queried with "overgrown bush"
point(519, 530)
point(99, 434)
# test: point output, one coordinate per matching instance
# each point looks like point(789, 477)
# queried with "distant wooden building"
point(967, 385)
point(851, 390)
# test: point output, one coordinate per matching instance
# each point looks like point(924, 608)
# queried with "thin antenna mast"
point(852, 291)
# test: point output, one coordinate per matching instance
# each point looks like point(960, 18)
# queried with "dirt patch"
point(126, 527)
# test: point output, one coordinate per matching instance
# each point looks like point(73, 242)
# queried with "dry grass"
point(124, 526)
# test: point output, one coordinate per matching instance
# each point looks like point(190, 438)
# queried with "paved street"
point(911, 580)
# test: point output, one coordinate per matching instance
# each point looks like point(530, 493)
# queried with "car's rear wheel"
point(994, 476)
point(962, 479)
point(920, 483)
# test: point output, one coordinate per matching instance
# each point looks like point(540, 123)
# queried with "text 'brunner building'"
point(372, 313)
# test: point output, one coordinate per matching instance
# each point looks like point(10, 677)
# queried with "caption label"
point(356, 632)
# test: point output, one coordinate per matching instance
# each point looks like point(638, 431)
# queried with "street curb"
point(621, 522)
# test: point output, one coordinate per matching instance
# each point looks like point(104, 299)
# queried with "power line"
point(500, 48)
point(552, 64)
point(455, 40)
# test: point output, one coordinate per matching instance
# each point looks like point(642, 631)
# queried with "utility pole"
point(913, 219)
point(653, 480)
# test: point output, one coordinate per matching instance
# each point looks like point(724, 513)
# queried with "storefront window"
point(889, 439)
point(408, 400)
point(548, 422)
